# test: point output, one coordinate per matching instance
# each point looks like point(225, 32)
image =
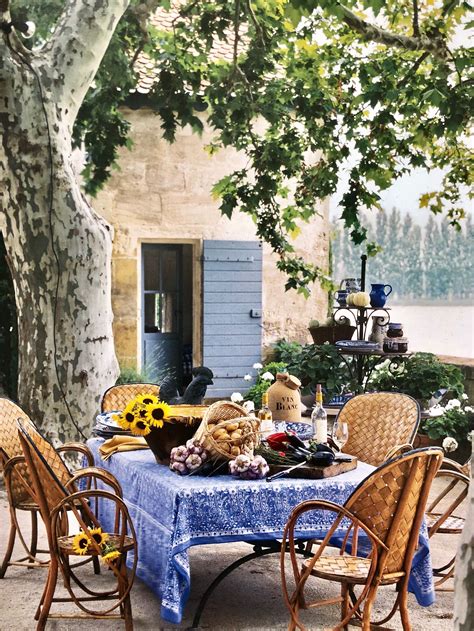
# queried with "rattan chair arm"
point(11, 463)
point(340, 510)
point(456, 466)
point(398, 450)
point(78, 448)
point(447, 473)
point(98, 474)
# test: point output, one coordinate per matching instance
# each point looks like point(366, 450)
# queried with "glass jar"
point(395, 329)
point(397, 345)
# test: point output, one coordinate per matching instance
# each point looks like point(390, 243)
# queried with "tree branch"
point(77, 47)
point(416, 25)
point(434, 45)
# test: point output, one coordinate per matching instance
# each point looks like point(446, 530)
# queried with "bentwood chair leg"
point(344, 603)
point(368, 608)
point(403, 604)
point(8, 553)
point(126, 607)
point(34, 533)
point(48, 593)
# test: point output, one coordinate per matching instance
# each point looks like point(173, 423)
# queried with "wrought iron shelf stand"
point(365, 360)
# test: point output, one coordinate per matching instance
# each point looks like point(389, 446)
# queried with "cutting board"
point(316, 473)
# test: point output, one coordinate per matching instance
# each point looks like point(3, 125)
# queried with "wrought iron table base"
point(261, 549)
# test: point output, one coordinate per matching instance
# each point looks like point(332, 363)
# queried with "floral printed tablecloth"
point(172, 513)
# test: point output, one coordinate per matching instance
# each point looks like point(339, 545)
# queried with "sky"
point(404, 194)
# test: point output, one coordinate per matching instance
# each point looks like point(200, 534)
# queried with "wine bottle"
point(319, 418)
point(265, 417)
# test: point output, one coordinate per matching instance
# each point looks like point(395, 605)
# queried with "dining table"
point(171, 513)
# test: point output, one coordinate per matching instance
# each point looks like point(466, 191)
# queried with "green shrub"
point(455, 419)
point(129, 374)
point(420, 376)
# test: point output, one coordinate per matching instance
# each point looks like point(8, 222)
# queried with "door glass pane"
point(168, 312)
point(151, 269)
point(152, 313)
point(160, 313)
point(169, 270)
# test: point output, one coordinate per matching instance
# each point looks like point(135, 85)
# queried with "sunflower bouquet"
point(83, 542)
point(142, 414)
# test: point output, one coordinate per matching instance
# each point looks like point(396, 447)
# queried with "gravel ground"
point(248, 599)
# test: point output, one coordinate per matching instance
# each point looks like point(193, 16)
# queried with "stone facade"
point(162, 195)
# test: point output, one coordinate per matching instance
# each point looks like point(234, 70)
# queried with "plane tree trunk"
point(59, 249)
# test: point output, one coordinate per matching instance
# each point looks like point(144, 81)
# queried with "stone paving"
point(248, 599)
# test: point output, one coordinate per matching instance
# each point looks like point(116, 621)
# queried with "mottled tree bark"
point(59, 249)
point(464, 569)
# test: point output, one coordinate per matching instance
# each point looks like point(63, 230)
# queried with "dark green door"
point(162, 311)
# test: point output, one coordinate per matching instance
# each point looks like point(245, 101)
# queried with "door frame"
point(197, 294)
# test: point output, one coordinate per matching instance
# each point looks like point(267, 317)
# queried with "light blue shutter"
point(232, 312)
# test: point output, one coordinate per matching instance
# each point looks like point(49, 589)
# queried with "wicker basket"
point(177, 429)
point(332, 334)
point(221, 420)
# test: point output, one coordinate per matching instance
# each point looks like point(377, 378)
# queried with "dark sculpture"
point(194, 393)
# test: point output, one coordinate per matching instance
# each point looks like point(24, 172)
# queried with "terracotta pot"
point(423, 440)
point(332, 334)
point(461, 454)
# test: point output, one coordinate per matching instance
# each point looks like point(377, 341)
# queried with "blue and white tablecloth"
point(171, 513)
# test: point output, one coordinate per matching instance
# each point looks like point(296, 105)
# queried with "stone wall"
point(162, 194)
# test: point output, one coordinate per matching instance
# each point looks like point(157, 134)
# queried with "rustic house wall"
point(162, 194)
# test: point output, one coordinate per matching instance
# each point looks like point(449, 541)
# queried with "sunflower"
point(146, 399)
point(157, 413)
point(99, 537)
point(126, 418)
point(80, 543)
point(110, 556)
point(140, 427)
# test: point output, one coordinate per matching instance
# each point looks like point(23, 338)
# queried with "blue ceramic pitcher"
point(378, 296)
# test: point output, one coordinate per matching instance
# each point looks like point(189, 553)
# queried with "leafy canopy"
point(376, 87)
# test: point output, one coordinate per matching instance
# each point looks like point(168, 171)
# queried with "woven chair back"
point(392, 500)
point(49, 453)
point(10, 446)
point(117, 397)
point(377, 422)
point(47, 486)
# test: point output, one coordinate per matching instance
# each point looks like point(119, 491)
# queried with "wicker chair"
point(117, 397)
point(377, 423)
point(441, 513)
point(64, 511)
point(18, 482)
point(387, 507)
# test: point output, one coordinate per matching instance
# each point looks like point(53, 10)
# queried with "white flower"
point(257, 366)
point(436, 410)
point(470, 436)
point(450, 444)
point(464, 396)
point(268, 376)
point(453, 403)
point(469, 408)
point(247, 377)
point(236, 397)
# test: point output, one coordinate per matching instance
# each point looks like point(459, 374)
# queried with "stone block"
point(125, 336)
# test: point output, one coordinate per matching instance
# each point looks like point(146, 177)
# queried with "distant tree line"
point(434, 262)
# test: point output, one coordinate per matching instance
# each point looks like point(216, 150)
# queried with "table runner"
point(172, 513)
